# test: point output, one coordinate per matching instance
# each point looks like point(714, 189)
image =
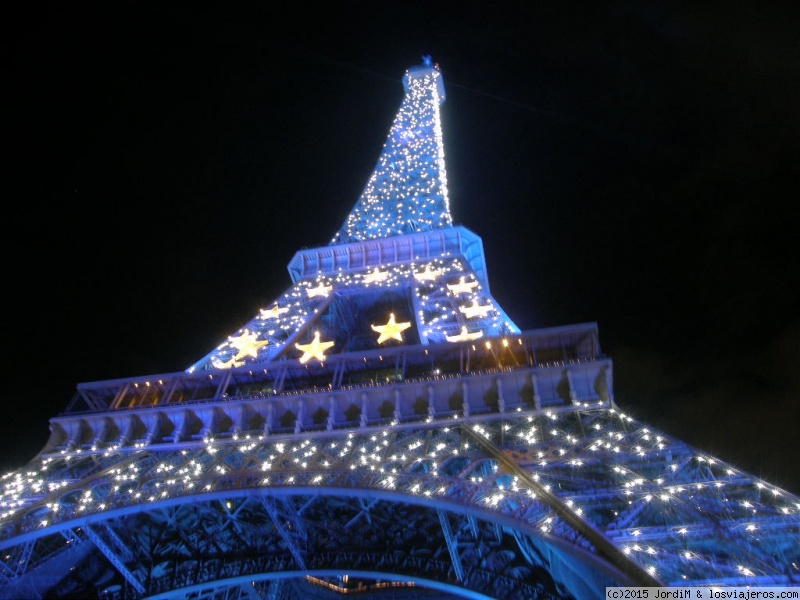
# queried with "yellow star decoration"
point(461, 287)
point(475, 310)
point(376, 276)
point(247, 345)
point(272, 313)
point(228, 364)
point(464, 335)
point(390, 330)
point(315, 349)
point(428, 274)
point(321, 290)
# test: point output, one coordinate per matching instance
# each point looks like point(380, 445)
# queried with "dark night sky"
point(632, 164)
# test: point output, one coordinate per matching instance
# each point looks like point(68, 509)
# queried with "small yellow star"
point(247, 345)
point(228, 364)
point(321, 290)
point(272, 313)
point(428, 274)
point(464, 335)
point(315, 349)
point(475, 310)
point(390, 330)
point(376, 276)
point(462, 287)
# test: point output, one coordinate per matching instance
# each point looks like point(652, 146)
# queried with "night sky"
point(632, 164)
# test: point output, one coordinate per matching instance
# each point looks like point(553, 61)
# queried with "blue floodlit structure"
point(383, 428)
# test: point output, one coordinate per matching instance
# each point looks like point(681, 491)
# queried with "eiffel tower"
point(383, 428)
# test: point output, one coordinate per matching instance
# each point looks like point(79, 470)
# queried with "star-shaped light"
point(464, 336)
point(475, 310)
point(247, 345)
point(321, 290)
point(391, 330)
point(315, 349)
point(376, 276)
point(428, 274)
point(228, 364)
point(272, 313)
point(462, 287)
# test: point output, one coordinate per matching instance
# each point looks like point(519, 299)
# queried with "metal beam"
point(118, 543)
point(605, 548)
point(364, 512)
point(114, 559)
point(288, 538)
point(452, 545)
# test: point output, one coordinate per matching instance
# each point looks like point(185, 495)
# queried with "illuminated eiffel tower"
point(382, 428)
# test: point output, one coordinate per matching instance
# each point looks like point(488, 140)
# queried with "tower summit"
point(383, 427)
point(397, 259)
point(407, 191)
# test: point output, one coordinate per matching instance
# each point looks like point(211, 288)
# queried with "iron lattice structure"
point(383, 428)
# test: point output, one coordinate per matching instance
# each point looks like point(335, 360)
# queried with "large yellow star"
point(247, 345)
point(475, 310)
point(272, 313)
point(390, 330)
point(461, 287)
point(464, 335)
point(315, 349)
point(320, 290)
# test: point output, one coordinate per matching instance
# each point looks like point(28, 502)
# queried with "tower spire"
point(407, 191)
